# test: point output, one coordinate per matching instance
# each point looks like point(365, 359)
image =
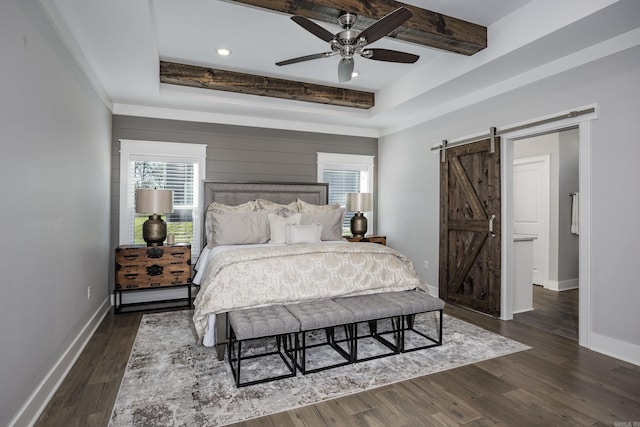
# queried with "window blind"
point(342, 182)
point(179, 176)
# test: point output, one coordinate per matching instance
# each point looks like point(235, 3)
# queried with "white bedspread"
point(267, 274)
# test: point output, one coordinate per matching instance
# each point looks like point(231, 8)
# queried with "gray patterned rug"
point(171, 381)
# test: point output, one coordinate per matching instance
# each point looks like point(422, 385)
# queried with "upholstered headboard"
point(235, 193)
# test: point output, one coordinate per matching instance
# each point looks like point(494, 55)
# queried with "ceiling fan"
point(350, 42)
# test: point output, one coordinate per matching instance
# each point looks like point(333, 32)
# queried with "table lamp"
point(154, 203)
point(358, 203)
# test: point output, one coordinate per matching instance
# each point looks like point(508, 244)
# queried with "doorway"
point(545, 178)
point(583, 124)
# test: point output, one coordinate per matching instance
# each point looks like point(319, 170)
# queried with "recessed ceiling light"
point(355, 74)
point(223, 51)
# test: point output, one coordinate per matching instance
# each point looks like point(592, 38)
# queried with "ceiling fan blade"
point(390, 56)
point(306, 58)
point(385, 25)
point(313, 28)
point(345, 69)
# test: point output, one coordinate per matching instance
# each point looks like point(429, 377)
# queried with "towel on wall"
point(575, 213)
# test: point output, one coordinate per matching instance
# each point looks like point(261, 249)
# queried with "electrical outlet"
point(88, 293)
point(426, 264)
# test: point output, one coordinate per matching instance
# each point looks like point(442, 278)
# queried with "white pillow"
point(331, 222)
point(243, 228)
point(308, 207)
point(277, 226)
point(303, 233)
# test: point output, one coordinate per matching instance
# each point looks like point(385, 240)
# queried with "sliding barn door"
point(470, 226)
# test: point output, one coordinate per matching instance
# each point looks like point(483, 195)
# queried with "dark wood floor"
point(555, 383)
point(556, 312)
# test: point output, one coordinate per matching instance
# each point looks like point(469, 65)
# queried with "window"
point(346, 173)
point(169, 166)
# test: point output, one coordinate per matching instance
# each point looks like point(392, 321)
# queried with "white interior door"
point(531, 210)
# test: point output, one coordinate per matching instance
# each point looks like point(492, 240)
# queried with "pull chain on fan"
point(349, 42)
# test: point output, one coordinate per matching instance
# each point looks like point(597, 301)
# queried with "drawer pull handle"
point(155, 270)
point(130, 257)
point(177, 273)
point(130, 276)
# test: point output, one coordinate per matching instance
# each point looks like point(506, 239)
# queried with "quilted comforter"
point(261, 276)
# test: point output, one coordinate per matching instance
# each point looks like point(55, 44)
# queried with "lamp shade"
point(150, 201)
point(359, 202)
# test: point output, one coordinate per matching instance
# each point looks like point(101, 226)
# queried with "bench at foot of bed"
point(318, 335)
point(278, 359)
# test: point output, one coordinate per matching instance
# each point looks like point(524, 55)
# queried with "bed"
point(302, 257)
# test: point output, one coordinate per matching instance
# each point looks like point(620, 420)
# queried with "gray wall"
point(612, 83)
point(569, 182)
point(54, 170)
point(235, 153)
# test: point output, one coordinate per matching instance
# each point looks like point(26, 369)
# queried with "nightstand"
point(373, 239)
point(141, 268)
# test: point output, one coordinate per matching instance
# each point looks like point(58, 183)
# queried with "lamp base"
point(154, 230)
point(358, 225)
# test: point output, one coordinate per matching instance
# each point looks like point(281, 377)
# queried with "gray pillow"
point(220, 208)
point(244, 228)
point(217, 207)
point(331, 222)
point(289, 209)
point(311, 208)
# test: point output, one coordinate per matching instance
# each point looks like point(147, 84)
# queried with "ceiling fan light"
point(223, 51)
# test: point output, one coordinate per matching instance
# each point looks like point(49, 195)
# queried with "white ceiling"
point(119, 43)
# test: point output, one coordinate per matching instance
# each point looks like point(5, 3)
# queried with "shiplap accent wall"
point(235, 153)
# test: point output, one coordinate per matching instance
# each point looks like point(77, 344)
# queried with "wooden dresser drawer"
point(150, 267)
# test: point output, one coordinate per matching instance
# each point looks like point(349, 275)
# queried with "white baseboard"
point(524, 310)
point(562, 285)
point(37, 402)
point(615, 348)
point(433, 290)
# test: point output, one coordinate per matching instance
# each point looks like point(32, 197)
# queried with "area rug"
point(170, 380)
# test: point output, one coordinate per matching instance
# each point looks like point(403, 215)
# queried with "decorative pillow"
point(331, 222)
point(220, 208)
point(303, 233)
point(308, 207)
point(217, 207)
point(289, 209)
point(243, 228)
point(277, 226)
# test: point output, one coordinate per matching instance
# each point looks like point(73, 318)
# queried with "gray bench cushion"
point(320, 314)
point(262, 322)
point(369, 307)
point(413, 302)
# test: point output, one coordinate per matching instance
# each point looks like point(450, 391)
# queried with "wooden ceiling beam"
point(425, 28)
point(230, 81)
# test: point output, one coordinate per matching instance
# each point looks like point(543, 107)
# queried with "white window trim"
point(173, 151)
point(346, 161)
point(353, 162)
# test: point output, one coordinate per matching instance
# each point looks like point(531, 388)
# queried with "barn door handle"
point(491, 218)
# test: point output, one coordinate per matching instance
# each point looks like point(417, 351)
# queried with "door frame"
point(583, 123)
